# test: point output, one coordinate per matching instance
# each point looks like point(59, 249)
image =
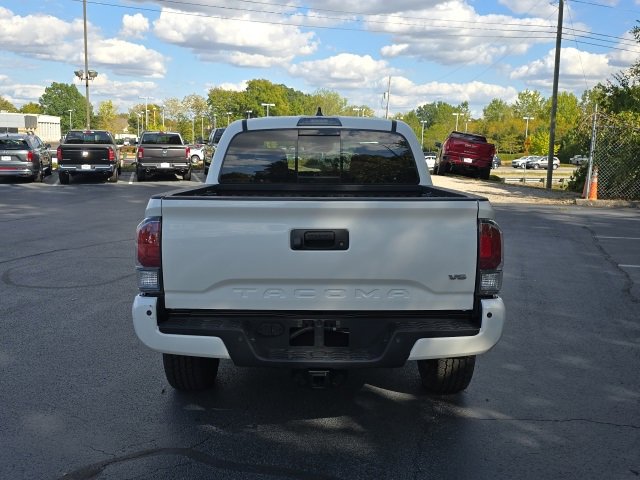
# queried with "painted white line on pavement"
point(629, 266)
point(618, 238)
point(131, 178)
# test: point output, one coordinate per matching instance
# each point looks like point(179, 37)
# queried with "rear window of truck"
point(88, 137)
point(324, 155)
point(161, 139)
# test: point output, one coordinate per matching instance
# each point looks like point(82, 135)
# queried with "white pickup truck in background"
point(319, 244)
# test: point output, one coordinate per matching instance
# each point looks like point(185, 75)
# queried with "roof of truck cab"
point(292, 122)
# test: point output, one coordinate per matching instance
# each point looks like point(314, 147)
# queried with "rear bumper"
point(163, 167)
point(86, 168)
point(17, 171)
point(346, 340)
point(467, 162)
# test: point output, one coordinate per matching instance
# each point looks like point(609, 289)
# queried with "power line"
point(538, 34)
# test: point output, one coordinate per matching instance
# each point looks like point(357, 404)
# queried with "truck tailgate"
point(85, 154)
point(237, 254)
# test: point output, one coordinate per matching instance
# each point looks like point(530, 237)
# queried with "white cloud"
point(453, 33)
point(134, 26)
point(405, 94)
point(63, 42)
point(628, 52)
point(579, 70)
point(235, 41)
point(343, 71)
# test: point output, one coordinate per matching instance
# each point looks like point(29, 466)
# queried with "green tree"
point(263, 91)
point(436, 113)
point(31, 107)
point(529, 104)
point(7, 105)
point(107, 116)
point(329, 101)
point(59, 98)
point(497, 111)
point(568, 113)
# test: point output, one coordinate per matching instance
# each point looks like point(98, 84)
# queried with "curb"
point(583, 202)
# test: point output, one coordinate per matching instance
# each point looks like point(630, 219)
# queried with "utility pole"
point(554, 97)
point(86, 62)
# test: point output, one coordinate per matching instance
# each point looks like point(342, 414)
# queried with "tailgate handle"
point(337, 239)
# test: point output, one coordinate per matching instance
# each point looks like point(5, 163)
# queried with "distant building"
point(47, 127)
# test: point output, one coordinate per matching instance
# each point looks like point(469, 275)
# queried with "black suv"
point(24, 155)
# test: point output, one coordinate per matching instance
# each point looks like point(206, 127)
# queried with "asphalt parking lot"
point(82, 398)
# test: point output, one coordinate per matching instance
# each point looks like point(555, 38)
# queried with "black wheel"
point(38, 176)
point(187, 175)
point(140, 174)
point(114, 176)
point(190, 373)
point(64, 178)
point(484, 173)
point(445, 376)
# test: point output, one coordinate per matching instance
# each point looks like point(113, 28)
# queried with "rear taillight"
point(29, 156)
point(112, 154)
point(188, 152)
point(140, 152)
point(490, 257)
point(59, 154)
point(148, 254)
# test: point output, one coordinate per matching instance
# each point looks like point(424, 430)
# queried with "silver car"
point(24, 155)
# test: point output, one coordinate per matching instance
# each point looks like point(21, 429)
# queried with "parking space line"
point(618, 238)
point(131, 178)
point(629, 266)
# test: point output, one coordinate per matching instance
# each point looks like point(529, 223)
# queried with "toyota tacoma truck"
point(88, 152)
point(465, 153)
point(319, 244)
point(162, 152)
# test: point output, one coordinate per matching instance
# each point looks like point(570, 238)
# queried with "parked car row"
point(534, 162)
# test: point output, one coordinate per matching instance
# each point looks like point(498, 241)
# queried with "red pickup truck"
point(465, 152)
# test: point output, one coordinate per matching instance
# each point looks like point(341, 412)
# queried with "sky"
point(419, 51)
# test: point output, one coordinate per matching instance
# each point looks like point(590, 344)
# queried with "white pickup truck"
point(319, 244)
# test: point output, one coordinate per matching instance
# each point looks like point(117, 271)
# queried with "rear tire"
point(114, 177)
point(140, 174)
point(64, 178)
point(484, 173)
point(187, 176)
point(189, 374)
point(446, 376)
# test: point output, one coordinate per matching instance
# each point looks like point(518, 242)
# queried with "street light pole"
point(248, 112)
point(268, 105)
point(70, 126)
point(228, 114)
point(146, 110)
point(139, 115)
point(422, 136)
point(526, 128)
point(457, 115)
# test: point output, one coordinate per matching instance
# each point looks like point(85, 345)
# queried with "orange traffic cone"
point(593, 186)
